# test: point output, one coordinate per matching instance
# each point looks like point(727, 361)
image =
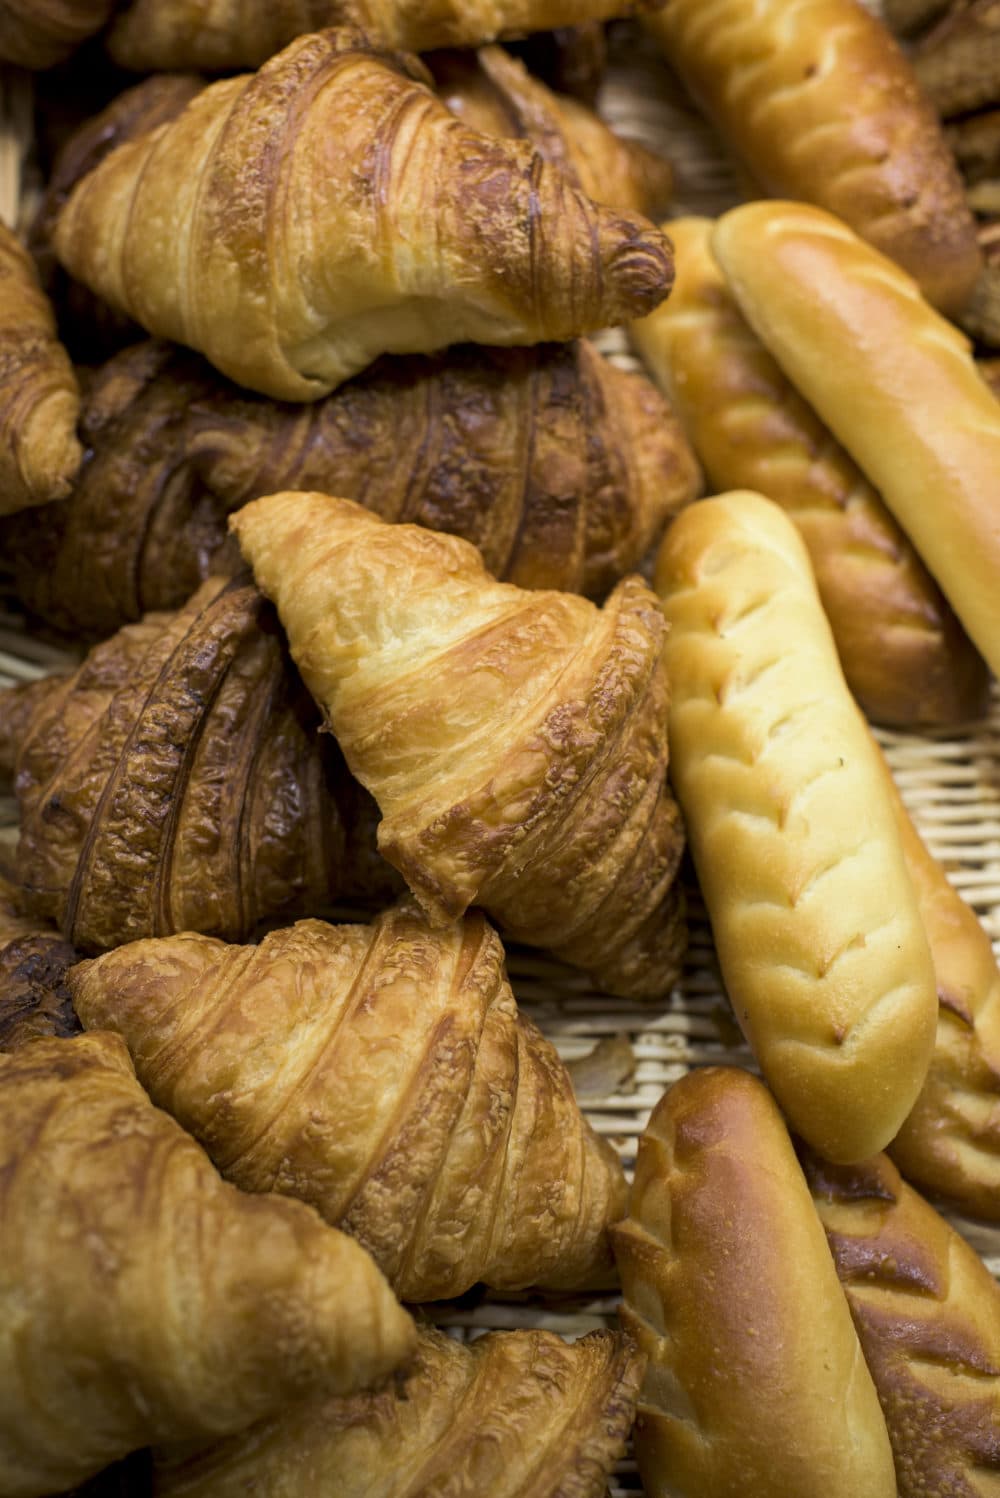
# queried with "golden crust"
point(382, 1074)
point(335, 210)
point(794, 839)
point(40, 33)
point(755, 1381)
point(821, 104)
point(141, 1298)
point(515, 741)
point(513, 1415)
point(904, 654)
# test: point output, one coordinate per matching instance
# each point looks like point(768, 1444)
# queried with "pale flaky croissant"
point(176, 781)
point(39, 396)
point(382, 1074)
point(228, 34)
point(34, 961)
point(514, 1415)
point(40, 33)
point(294, 224)
point(142, 1299)
point(515, 741)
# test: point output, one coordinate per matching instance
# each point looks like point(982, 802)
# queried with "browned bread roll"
point(142, 1299)
point(893, 381)
point(255, 228)
point(927, 1313)
point(383, 1074)
point(515, 741)
point(755, 1382)
point(40, 33)
point(904, 654)
point(820, 103)
point(794, 839)
point(511, 1415)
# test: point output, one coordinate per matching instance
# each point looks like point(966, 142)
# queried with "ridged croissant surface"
point(39, 397)
point(513, 1415)
point(515, 741)
point(40, 33)
point(227, 34)
point(176, 782)
point(294, 224)
point(141, 1298)
point(381, 1073)
point(34, 997)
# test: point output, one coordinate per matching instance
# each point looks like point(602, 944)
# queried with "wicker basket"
point(950, 781)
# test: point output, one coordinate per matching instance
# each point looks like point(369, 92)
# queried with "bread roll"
point(820, 103)
point(794, 839)
point(755, 1382)
point(894, 382)
point(927, 1313)
point(905, 655)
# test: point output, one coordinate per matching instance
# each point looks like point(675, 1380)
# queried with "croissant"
point(904, 654)
point(40, 33)
point(141, 1298)
point(513, 1414)
point(39, 396)
point(927, 1314)
point(34, 961)
point(175, 782)
point(227, 34)
point(382, 1074)
point(294, 224)
point(493, 92)
point(515, 742)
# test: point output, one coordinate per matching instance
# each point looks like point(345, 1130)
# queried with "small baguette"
point(927, 1313)
point(799, 860)
point(755, 1381)
point(904, 654)
point(893, 381)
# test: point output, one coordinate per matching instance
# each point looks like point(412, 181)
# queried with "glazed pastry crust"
point(382, 1074)
point(820, 103)
point(34, 996)
point(904, 654)
point(513, 1414)
point(794, 839)
point(515, 741)
point(144, 1300)
point(755, 1381)
point(928, 431)
point(295, 224)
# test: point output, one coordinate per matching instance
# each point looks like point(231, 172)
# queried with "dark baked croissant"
point(40, 33)
point(382, 1074)
point(227, 34)
point(34, 960)
point(39, 397)
point(513, 1415)
point(176, 782)
point(294, 224)
point(515, 741)
point(144, 1300)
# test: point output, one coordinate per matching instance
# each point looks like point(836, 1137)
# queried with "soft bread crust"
point(821, 104)
point(755, 1381)
point(904, 654)
point(794, 839)
point(927, 1313)
point(893, 380)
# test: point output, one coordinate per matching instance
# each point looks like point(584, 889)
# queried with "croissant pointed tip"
point(640, 268)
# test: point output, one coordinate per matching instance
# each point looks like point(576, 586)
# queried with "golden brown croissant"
point(227, 34)
point(175, 782)
point(513, 1415)
point(927, 1313)
point(34, 997)
point(296, 223)
point(382, 1074)
point(904, 654)
point(141, 1298)
point(39, 397)
point(493, 92)
point(515, 741)
point(40, 33)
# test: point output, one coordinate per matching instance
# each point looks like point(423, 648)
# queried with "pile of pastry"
point(302, 442)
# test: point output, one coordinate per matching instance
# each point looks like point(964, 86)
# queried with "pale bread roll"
point(755, 1382)
point(892, 379)
point(794, 838)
